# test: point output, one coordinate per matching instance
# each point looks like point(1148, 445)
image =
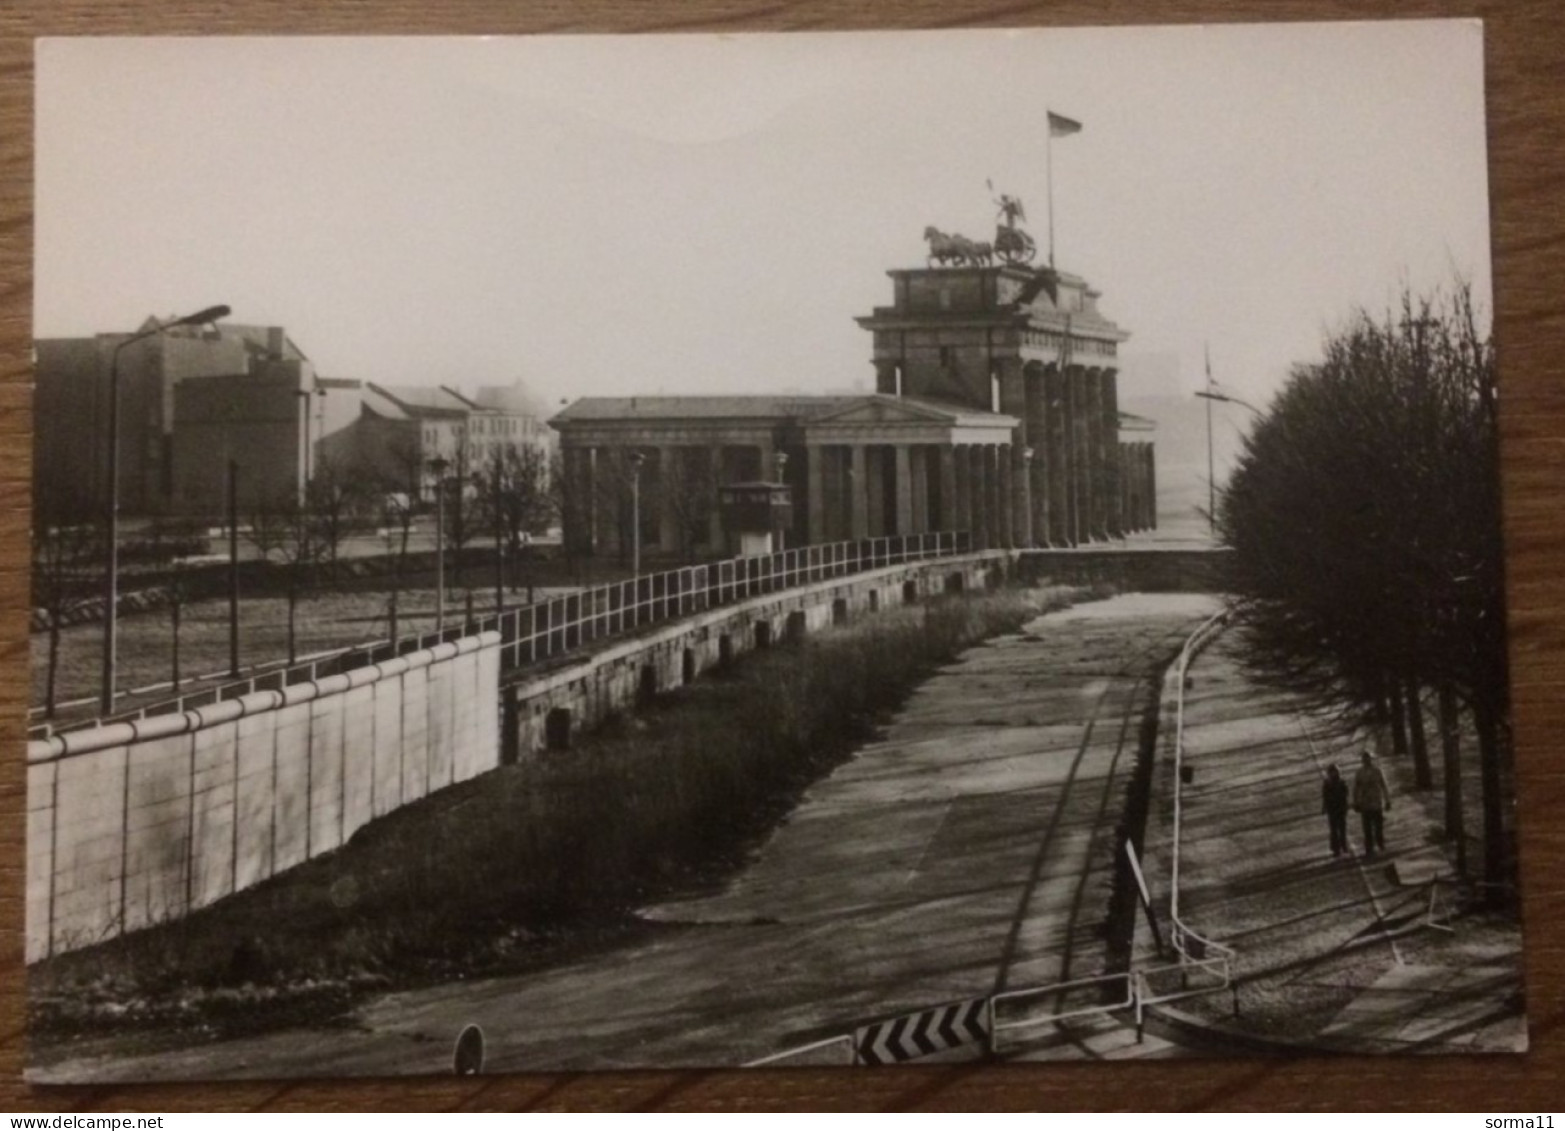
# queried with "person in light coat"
point(1372, 799)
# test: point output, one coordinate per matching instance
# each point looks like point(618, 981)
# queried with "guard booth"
point(755, 515)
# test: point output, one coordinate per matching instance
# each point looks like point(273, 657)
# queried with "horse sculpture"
point(957, 251)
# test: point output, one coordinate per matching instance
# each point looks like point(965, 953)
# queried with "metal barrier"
point(1033, 1021)
point(552, 627)
point(843, 1042)
point(1196, 952)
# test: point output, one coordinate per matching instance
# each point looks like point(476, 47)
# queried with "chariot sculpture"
point(1011, 245)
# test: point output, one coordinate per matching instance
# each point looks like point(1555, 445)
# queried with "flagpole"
point(1048, 160)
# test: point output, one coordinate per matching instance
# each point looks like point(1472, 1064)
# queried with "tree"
point(334, 499)
point(461, 521)
point(283, 527)
point(689, 484)
point(1364, 521)
point(516, 500)
point(397, 509)
point(67, 569)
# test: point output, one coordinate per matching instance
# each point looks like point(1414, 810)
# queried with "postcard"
point(604, 552)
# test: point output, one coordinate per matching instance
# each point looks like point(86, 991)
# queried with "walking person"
point(1373, 801)
point(1334, 803)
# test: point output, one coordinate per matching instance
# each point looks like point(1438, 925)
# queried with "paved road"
point(967, 852)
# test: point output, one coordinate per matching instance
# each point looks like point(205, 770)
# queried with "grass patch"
point(538, 861)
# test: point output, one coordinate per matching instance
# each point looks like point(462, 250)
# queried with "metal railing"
point(555, 626)
point(1054, 1017)
point(1196, 952)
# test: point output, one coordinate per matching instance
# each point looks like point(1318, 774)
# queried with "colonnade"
point(1083, 486)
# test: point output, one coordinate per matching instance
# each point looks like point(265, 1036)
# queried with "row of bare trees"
point(1364, 520)
point(510, 496)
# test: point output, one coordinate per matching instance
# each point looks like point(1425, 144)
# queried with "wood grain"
point(1525, 41)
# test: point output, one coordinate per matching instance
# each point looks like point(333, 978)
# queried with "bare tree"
point(334, 500)
point(397, 509)
point(689, 488)
point(1365, 526)
point(67, 564)
point(283, 528)
point(516, 501)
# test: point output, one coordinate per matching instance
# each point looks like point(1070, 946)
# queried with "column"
point(858, 493)
point(875, 491)
point(962, 489)
point(1092, 426)
point(714, 522)
point(904, 486)
point(1081, 462)
point(671, 481)
point(815, 457)
point(1038, 440)
point(945, 463)
point(1006, 492)
point(919, 455)
point(607, 487)
point(1114, 514)
point(1057, 452)
point(1127, 515)
point(995, 503)
point(982, 528)
point(1151, 484)
point(577, 515)
point(767, 460)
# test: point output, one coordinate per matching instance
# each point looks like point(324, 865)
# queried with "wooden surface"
point(1525, 48)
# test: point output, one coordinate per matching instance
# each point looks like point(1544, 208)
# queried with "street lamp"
point(111, 579)
point(1210, 394)
point(438, 465)
point(636, 460)
point(1027, 458)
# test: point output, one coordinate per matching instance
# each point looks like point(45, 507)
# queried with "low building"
point(995, 412)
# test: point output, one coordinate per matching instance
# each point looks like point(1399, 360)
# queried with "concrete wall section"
point(597, 686)
point(135, 824)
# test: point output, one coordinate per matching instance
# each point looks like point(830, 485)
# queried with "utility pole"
point(1211, 474)
point(233, 568)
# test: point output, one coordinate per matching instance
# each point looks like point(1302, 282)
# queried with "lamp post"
point(1210, 394)
point(438, 465)
point(1027, 458)
point(636, 460)
point(781, 460)
point(112, 501)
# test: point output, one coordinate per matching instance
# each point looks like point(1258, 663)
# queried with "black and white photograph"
point(599, 552)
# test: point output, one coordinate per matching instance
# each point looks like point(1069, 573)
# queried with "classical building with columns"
point(995, 412)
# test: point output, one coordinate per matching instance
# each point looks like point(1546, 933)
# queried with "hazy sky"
point(601, 215)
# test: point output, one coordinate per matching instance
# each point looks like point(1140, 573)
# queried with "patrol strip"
point(923, 1033)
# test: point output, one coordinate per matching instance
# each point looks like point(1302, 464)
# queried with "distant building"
point(71, 417)
point(995, 412)
point(401, 429)
point(194, 399)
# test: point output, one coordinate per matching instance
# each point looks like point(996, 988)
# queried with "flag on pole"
point(1061, 126)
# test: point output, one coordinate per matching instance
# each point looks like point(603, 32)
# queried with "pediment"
point(884, 410)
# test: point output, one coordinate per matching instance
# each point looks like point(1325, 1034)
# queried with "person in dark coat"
point(1334, 803)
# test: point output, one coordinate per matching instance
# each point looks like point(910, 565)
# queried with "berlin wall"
point(139, 823)
point(546, 710)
